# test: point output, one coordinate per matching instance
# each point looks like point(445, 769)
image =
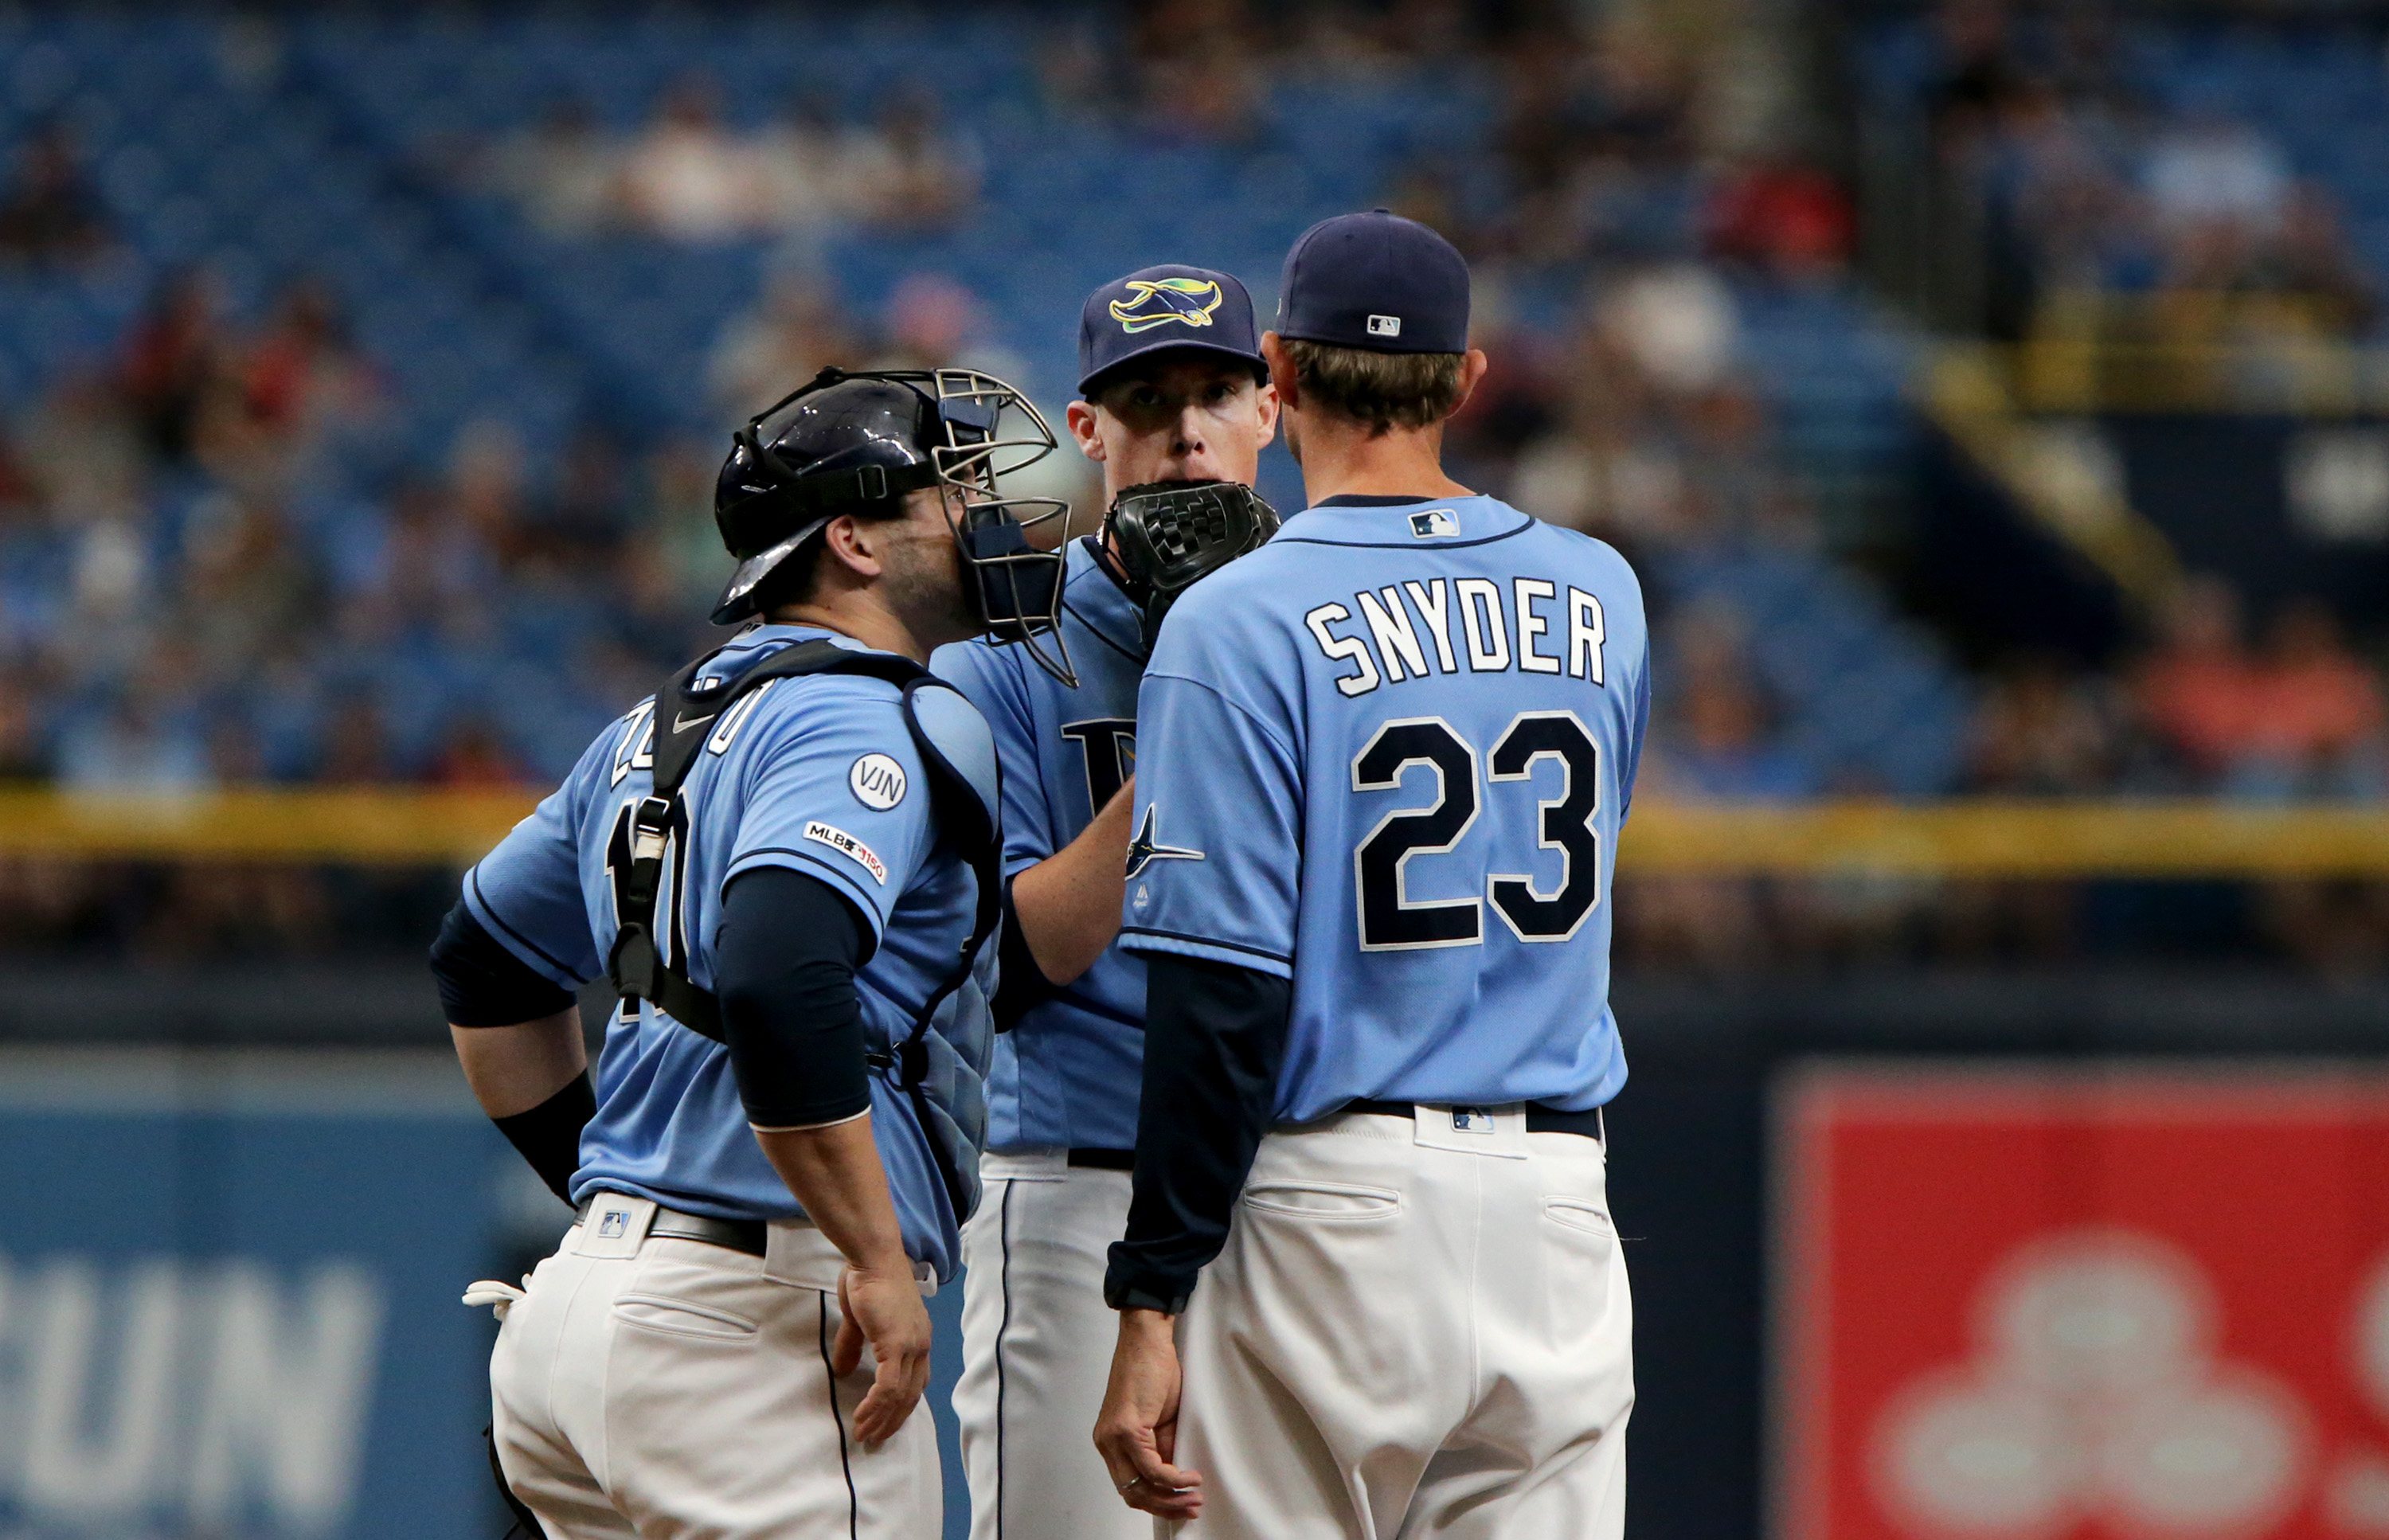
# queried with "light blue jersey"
point(816, 773)
point(1066, 1074)
point(1387, 755)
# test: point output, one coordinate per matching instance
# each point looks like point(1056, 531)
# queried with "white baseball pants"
point(1037, 1351)
point(1417, 1328)
point(668, 1389)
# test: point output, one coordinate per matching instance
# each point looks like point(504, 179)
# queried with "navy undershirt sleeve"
point(1021, 983)
point(549, 1134)
point(1214, 1039)
point(481, 984)
point(783, 965)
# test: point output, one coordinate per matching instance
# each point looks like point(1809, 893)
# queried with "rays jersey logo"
point(1157, 302)
point(1144, 850)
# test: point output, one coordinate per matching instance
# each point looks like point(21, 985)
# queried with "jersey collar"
point(752, 645)
point(1419, 524)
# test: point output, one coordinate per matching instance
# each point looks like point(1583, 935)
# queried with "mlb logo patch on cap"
point(1384, 325)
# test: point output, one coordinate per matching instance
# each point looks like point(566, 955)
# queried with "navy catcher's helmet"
point(849, 443)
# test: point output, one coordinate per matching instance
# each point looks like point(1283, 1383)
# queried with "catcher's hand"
point(884, 1310)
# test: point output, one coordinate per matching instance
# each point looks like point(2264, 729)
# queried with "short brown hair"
point(1384, 390)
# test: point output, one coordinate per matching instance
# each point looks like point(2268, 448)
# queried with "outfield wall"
point(229, 1274)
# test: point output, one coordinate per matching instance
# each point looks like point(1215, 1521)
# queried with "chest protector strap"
point(965, 812)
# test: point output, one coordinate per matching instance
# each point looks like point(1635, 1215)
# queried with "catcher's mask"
point(860, 442)
point(1170, 535)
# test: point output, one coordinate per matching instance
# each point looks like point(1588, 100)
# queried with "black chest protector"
point(965, 813)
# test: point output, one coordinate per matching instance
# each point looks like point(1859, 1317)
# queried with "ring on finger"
point(1133, 1481)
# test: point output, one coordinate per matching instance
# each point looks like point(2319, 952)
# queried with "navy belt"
point(750, 1236)
point(1539, 1118)
point(1090, 1158)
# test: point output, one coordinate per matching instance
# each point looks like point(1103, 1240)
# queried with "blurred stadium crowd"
point(2210, 175)
point(364, 374)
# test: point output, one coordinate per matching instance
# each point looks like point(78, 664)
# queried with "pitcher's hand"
point(884, 1308)
point(1137, 1433)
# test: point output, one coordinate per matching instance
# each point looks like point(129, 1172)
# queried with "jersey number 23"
point(1390, 919)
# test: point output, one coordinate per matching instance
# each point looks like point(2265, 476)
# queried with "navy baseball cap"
point(1375, 281)
point(1156, 308)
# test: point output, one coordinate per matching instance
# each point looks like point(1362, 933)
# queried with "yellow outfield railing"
point(1958, 838)
point(1987, 838)
point(372, 827)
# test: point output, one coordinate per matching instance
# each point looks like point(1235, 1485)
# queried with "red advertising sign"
point(2069, 1303)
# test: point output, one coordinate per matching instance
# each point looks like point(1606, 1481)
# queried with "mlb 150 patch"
point(847, 845)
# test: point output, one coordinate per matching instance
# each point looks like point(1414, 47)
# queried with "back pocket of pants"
point(677, 1316)
point(1581, 1214)
point(1329, 1201)
point(1580, 1252)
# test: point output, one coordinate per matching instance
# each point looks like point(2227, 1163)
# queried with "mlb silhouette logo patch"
point(616, 1223)
point(1384, 325)
point(1434, 523)
point(1471, 1120)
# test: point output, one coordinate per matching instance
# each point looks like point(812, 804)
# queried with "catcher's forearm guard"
point(1170, 535)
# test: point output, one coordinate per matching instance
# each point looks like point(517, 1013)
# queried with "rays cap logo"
point(1161, 301)
point(1169, 308)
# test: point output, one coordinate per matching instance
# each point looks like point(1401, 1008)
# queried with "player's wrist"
point(1145, 1294)
point(1138, 1321)
point(882, 1264)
